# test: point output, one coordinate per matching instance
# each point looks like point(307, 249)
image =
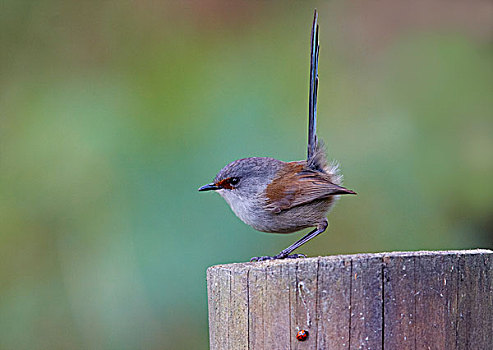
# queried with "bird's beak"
point(209, 187)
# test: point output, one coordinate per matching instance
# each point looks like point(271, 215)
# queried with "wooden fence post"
point(400, 300)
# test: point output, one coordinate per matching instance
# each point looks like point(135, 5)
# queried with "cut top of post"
point(352, 257)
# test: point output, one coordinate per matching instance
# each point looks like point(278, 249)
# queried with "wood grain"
point(400, 300)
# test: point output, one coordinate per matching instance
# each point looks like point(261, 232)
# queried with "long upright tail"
point(312, 104)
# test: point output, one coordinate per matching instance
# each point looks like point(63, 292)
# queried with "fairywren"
point(282, 197)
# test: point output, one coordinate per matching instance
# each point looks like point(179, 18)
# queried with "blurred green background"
point(113, 113)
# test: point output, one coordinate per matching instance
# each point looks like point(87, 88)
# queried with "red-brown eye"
point(234, 181)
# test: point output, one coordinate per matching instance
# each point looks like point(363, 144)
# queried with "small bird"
point(283, 197)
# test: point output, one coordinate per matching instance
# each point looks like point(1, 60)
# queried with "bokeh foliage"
point(112, 114)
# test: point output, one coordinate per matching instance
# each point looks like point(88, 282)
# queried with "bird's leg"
point(320, 228)
point(285, 254)
point(264, 258)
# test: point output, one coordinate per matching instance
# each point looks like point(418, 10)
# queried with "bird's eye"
point(234, 181)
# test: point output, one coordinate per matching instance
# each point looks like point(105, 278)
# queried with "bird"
point(275, 196)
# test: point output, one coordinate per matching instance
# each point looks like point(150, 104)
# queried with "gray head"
point(244, 179)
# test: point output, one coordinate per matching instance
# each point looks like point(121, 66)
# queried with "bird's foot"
point(278, 256)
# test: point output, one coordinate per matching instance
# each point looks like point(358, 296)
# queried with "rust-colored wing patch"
point(297, 184)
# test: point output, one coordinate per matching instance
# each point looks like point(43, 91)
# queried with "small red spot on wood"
point(302, 335)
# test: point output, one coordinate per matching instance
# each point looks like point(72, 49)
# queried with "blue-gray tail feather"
point(312, 104)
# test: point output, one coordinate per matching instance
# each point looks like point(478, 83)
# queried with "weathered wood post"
point(405, 300)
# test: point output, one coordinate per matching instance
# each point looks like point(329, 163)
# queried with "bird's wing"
point(297, 184)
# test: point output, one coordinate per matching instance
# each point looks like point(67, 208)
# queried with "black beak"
point(209, 187)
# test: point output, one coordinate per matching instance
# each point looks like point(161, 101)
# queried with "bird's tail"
point(316, 154)
point(312, 104)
